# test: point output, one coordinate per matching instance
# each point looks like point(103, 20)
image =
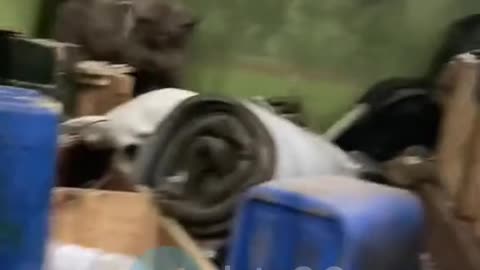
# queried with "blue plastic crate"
point(327, 222)
point(28, 134)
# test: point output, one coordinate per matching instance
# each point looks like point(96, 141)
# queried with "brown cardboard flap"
point(101, 87)
point(117, 222)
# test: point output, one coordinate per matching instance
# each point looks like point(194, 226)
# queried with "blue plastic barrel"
point(28, 132)
point(7, 92)
point(328, 223)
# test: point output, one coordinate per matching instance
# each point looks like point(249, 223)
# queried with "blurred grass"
point(19, 15)
point(347, 45)
point(324, 100)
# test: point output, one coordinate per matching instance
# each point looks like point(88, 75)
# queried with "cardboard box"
point(117, 222)
point(101, 87)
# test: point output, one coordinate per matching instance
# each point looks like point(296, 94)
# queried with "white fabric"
point(128, 124)
point(131, 122)
point(70, 257)
point(301, 153)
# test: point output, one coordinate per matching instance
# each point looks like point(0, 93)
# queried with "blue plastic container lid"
point(27, 100)
point(10, 91)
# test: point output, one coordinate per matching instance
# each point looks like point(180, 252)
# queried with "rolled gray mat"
point(210, 149)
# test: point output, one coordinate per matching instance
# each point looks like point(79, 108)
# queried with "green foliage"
point(19, 15)
point(319, 43)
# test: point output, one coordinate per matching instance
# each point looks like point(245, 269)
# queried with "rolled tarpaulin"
point(209, 150)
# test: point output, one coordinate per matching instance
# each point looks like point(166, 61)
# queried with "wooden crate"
point(117, 222)
point(452, 207)
point(459, 113)
point(450, 241)
point(459, 145)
